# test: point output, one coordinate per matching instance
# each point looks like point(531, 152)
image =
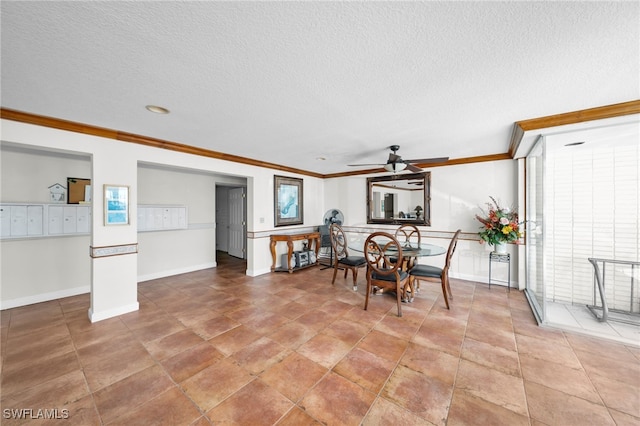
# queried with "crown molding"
point(450, 162)
point(72, 126)
point(591, 114)
point(56, 123)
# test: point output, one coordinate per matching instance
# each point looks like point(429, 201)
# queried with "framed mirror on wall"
point(399, 198)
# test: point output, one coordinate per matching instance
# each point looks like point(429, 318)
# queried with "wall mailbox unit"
point(161, 218)
point(69, 219)
point(43, 220)
point(27, 220)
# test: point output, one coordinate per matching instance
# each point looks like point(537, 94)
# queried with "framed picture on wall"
point(116, 205)
point(288, 199)
point(77, 190)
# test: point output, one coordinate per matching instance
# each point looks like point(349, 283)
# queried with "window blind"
point(592, 209)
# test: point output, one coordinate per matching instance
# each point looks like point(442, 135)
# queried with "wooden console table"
point(290, 238)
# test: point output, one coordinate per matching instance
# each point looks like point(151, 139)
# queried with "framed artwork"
point(288, 199)
point(116, 205)
point(77, 190)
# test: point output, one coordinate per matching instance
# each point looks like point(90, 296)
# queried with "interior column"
point(113, 251)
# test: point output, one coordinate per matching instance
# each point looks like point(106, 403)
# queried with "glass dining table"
point(410, 250)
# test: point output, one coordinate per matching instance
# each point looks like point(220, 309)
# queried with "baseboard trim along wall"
point(43, 297)
point(169, 273)
point(95, 317)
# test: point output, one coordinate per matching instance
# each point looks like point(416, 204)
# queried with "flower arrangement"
point(500, 225)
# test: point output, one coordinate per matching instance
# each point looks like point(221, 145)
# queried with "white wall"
point(27, 173)
point(457, 194)
point(113, 156)
point(41, 269)
point(164, 253)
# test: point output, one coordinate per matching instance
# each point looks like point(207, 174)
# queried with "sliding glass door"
point(582, 201)
point(534, 217)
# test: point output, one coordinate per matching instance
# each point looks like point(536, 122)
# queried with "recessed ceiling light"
point(574, 144)
point(157, 109)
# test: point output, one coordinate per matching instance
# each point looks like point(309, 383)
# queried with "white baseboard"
point(43, 297)
point(483, 280)
point(179, 271)
point(256, 272)
point(60, 294)
point(99, 316)
point(468, 277)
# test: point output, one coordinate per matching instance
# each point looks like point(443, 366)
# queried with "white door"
point(236, 222)
point(222, 218)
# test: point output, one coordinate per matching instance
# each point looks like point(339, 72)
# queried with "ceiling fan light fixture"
point(395, 167)
point(157, 109)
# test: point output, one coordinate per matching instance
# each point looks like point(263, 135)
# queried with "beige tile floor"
point(579, 319)
point(218, 347)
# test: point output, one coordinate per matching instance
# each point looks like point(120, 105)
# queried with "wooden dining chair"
point(408, 234)
point(434, 274)
point(341, 258)
point(379, 247)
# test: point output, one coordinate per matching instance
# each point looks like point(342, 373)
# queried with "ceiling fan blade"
point(409, 164)
point(428, 160)
point(394, 158)
point(413, 168)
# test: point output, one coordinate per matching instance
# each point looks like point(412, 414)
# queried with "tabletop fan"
point(331, 216)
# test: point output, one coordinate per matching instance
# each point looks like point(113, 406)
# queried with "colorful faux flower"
point(500, 225)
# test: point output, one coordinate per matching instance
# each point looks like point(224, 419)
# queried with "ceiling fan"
point(395, 163)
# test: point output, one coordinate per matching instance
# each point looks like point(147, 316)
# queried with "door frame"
point(223, 228)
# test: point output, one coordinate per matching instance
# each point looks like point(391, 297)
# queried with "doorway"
point(231, 222)
point(582, 202)
point(389, 205)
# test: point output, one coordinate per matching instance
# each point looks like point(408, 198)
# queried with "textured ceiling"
point(288, 82)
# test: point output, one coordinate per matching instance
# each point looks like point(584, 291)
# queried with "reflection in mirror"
point(399, 198)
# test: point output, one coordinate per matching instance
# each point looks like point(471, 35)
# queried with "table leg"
point(509, 277)
point(317, 246)
point(490, 272)
point(273, 255)
point(289, 254)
